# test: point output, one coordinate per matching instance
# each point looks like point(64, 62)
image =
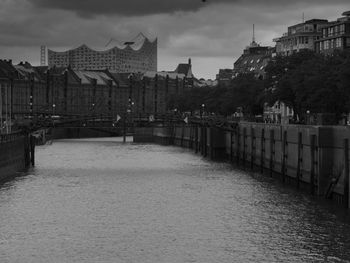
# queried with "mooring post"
point(262, 150)
point(237, 145)
point(312, 160)
point(231, 146)
point(211, 143)
point(244, 145)
point(32, 149)
point(272, 150)
point(124, 128)
point(26, 150)
point(191, 137)
point(300, 146)
point(284, 156)
point(201, 140)
point(182, 135)
point(196, 139)
point(346, 173)
point(252, 147)
point(205, 142)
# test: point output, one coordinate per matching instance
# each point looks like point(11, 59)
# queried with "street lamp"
point(202, 110)
point(128, 111)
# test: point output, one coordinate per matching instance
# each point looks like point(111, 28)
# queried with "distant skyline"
point(213, 33)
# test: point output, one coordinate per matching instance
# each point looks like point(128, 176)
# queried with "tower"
point(43, 56)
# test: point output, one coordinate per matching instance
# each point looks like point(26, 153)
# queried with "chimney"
point(189, 61)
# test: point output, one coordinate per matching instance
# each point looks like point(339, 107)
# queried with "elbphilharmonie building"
point(138, 55)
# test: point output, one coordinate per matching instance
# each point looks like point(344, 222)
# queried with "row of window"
point(333, 31)
point(334, 43)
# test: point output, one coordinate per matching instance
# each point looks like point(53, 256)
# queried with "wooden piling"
point(205, 142)
point(272, 150)
point(231, 146)
point(237, 145)
point(32, 150)
point(252, 147)
point(312, 164)
point(202, 140)
point(182, 135)
point(244, 145)
point(346, 173)
point(262, 150)
point(196, 139)
point(300, 148)
point(211, 143)
point(284, 156)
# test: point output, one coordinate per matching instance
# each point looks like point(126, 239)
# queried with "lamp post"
point(128, 110)
point(202, 111)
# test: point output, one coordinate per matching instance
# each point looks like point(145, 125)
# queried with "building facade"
point(136, 56)
point(224, 77)
point(300, 37)
point(253, 60)
point(335, 36)
point(28, 92)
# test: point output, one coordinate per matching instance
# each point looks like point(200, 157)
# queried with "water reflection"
point(98, 200)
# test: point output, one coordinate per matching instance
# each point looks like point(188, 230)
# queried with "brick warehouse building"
point(35, 91)
point(139, 55)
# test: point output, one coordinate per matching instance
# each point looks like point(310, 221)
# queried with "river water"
point(98, 200)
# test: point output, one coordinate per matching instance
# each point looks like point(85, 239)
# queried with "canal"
point(98, 200)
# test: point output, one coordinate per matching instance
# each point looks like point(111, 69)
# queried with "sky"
point(212, 33)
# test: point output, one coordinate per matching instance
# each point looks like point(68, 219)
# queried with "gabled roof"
point(164, 74)
point(87, 77)
point(27, 71)
point(185, 69)
point(58, 70)
point(121, 78)
point(7, 70)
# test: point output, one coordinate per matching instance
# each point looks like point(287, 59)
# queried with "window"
point(332, 43)
point(342, 29)
point(330, 31)
point(324, 32)
point(326, 44)
point(322, 45)
point(348, 41)
point(338, 42)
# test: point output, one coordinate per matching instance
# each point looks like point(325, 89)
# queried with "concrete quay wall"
point(74, 133)
point(313, 158)
point(15, 154)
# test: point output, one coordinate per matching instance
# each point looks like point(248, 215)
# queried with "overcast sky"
point(213, 33)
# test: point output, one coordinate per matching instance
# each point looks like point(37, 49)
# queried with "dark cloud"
point(88, 8)
point(213, 34)
point(125, 7)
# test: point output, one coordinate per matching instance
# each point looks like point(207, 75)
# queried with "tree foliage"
point(245, 91)
point(307, 81)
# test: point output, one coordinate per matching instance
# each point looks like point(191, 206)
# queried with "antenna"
point(42, 55)
point(253, 33)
